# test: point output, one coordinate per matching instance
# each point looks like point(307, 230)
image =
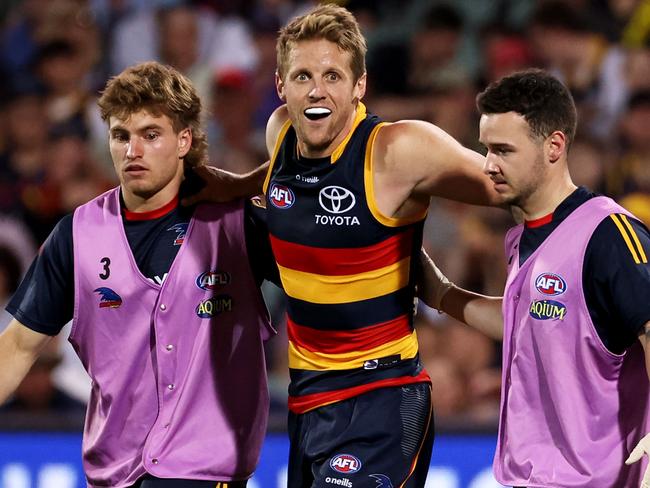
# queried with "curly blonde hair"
point(160, 90)
point(331, 22)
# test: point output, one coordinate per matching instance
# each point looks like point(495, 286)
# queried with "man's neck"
point(547, 199)
point(136, 204)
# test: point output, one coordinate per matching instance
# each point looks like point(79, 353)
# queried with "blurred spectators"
point(38, 393)
point(427, 60)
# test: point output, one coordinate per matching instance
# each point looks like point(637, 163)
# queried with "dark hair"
point(544, 102)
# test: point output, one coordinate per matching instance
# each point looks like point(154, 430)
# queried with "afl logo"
point(345, 463)
point(210, 280)
point(550, 284)
point(281, 196)
point(336, 199)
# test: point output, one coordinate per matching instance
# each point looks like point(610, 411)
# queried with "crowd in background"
point(427, 60)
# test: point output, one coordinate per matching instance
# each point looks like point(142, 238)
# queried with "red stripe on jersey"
point(305, 403)
point(342, 261)
point(346, 341)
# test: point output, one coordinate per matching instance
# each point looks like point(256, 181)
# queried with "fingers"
point(635, 455)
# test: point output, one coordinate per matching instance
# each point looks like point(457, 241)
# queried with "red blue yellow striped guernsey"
point(346, 269)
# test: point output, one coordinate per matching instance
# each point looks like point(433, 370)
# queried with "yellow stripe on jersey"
point(276, 150)
point(300, 358)
point(369, 184)
point(635, 237)
point(316, 288)
point(358, 118)
point(626, 238)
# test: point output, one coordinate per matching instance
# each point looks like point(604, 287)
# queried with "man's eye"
point(332, 76)
point(152, 136)
point(302, 77)
point(120, 137)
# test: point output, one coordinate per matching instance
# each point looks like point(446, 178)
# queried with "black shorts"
point(153, 482)
point(381, 439)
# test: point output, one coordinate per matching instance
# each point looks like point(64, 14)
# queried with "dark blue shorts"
point(381, 439)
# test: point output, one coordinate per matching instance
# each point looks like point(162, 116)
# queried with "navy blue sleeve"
point(616, 278)
point(44, 301)
point(258, 244)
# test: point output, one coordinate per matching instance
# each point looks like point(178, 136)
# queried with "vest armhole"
point(369, 185)
point(276, 150)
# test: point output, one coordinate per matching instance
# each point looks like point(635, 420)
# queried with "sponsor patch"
point(382, 480)
point(211, 280)
point(214, 306)
point(345, 463)
point(547, 310)
point(108, 298)
point(336, 199)
point(550, 284)
point(307, 179)
point(339, 481)
point(281, 196)
point(181, 230)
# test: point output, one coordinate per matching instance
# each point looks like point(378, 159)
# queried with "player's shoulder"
point(619, 233)
point(62, 232)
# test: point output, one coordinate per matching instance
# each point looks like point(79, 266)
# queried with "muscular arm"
point(414, 160)
point(19, 348)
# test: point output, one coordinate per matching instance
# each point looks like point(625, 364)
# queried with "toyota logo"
point(336, 199)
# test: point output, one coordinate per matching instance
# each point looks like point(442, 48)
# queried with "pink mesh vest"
point(178, 374)
point(571, 411)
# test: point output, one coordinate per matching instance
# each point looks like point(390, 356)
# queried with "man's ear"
point(184, 142)
point(360, 87)
point(556, 146)
point(279, 86)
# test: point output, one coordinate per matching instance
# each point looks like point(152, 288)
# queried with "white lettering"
point(337, 220)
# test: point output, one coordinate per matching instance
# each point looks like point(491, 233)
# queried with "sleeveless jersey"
point(346, 270)
point(178, 373)
point(571, 410)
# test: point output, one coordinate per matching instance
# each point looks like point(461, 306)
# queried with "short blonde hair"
point(160, 90)
point(331, 22)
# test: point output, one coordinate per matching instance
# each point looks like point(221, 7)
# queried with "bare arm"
point(414, 160)
point(19, 348)
point(479, 311)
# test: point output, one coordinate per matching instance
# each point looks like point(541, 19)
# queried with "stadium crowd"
point(427, 60)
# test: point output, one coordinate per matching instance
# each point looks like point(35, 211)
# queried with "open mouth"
point(317, 113)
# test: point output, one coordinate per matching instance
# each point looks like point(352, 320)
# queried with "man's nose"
point(489, 166)
point(317, 90)
point(134, 148)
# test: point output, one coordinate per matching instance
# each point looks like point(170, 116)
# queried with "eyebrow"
point(120, 128)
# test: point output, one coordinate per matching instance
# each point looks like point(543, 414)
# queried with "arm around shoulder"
point(432, 163)
point(19, 348)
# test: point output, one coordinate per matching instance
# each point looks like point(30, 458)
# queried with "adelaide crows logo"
point(181, 230)
point(382, 480)
point(108, 298)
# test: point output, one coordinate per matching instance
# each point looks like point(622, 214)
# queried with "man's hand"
point(432, 284)
point(223, 186)
point(643, 447)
